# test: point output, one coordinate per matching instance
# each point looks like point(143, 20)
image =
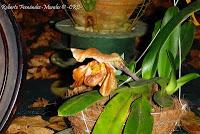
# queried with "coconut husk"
point(165, 120)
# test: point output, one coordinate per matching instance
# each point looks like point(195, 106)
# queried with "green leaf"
point(112, 119)
point(78, 103)
point(185, 79)
point(169, 14)
point(163, 82)
point(171, 45)
point(140, 120)
point(163, 99)
point(141, 87)
point(186, 38)
point(140, 83)
point(58, 90)
point(172, 83)
point(156, 28)
point(57, 60)
point(89, 5)
point(131, 65)
point(149, 61)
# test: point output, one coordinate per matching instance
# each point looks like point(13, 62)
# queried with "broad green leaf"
point(139, 87)
point(186, 38)
point(185, 79)
point(150, 59)
point(140, 120)
point(163, 82)
point(156, 28)
point(89, 5)
point(171, 45)
point(78, 103)
point(163, 99)
point(169, 14)
point(112, 119)
point(172, 83)
point(144, 82)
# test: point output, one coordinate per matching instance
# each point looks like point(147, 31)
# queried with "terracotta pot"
point(108, 15)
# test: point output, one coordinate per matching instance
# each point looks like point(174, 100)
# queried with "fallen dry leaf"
point(57, 123)
point(29, 125)
point(57, 127)
point(40, 102)
point(191, 123)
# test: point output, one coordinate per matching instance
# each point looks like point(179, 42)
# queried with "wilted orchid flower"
point(96, 73)
point(101, 71)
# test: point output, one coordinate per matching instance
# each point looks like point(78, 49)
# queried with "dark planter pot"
point(120, 42)
point(11, 67)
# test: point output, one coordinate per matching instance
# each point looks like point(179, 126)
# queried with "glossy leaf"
point(186, 38)
point(140, 120)
point(171, 45)
point(149, 61)
point(172, 83)
point(185, 79)
point(89, 5)
point(112, 119)
point(163, 99)
point(78, 103)
point(139, 87)
point(156, 28)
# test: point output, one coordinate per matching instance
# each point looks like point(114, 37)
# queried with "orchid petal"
point(79, 74)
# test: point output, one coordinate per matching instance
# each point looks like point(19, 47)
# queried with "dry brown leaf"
point(191, 123)
point(57, 123)
point(29, 125)
point(57, 127)
point(42, 73)
point(39, 60)
point(56, 119)
point(35, 121)
point(40, 102)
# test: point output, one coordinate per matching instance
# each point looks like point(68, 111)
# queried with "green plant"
point(130, 103)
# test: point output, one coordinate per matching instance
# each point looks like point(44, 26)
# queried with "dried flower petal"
point(113, 59)
point(78, 75)
point(95, 73)
point(109, 83)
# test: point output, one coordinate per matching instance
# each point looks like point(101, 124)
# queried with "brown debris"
point(57, 123)
point(39, 102)
point(45, 38)
point(41, 68)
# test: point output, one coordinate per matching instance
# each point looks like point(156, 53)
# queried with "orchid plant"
point(129, 107)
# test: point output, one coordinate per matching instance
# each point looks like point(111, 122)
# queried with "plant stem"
point(132, 75)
